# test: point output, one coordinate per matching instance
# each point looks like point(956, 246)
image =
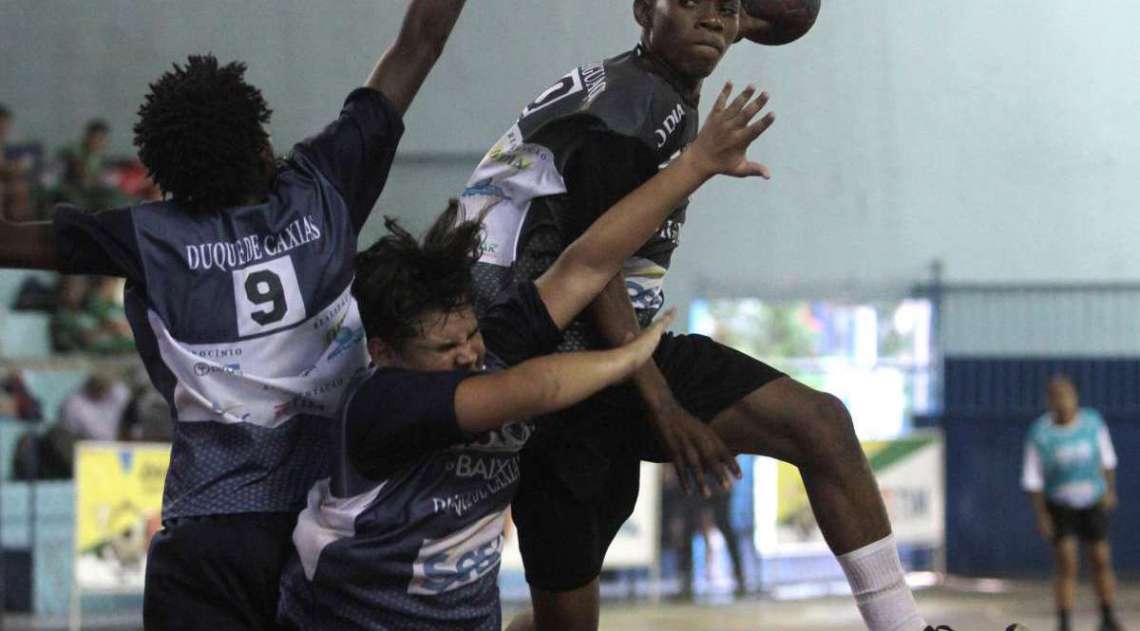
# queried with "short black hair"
point(96, 125)
point(399, 280)
point(5, 112)
point(201, 135)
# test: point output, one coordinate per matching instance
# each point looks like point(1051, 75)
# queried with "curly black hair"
point(201, 135)
point(399, 280)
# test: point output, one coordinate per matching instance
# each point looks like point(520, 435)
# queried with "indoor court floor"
point(962, 605)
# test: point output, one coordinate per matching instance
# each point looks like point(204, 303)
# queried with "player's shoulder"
point(1040, 426)
point(1092, 417)
point(618, 95)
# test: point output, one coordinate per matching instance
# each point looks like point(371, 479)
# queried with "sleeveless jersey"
point(1066, 462)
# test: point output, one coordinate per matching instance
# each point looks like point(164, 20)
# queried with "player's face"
point(690, 35)
point(447, 341)
point(1063, 399)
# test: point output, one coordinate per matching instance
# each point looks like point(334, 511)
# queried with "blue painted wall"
point(989, 406)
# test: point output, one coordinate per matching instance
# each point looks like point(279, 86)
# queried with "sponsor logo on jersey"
point(343, 338)
point(508, 438)
point(672, 121)
point(203, 369)
point(218, 353)
point(228, 409)
point(486, 467)
point(459, 559)
point(485, 188)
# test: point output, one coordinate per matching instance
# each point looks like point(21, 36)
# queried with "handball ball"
point(787, 20)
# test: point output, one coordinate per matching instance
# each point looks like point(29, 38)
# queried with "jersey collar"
point(655, 65)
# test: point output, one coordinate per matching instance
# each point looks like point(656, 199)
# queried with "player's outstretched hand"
point(721, 147)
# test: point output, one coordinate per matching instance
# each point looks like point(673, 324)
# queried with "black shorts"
point(217, 572)
point(1088, 524)
point(580, 472)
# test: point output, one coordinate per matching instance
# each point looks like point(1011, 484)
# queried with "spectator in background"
point(15, 190)
point(1069, 470)
point(94, 412)
point(89, 316)
point(147, 417)
point(67, 322)
point(110, 333)
point(84, 169)
point(17, 401)
point(686, 515)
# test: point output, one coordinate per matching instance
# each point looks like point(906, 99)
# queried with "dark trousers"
point(216, 573)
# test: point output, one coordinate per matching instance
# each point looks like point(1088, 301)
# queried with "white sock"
point(875, 575)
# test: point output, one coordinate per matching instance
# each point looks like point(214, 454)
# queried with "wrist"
point(692, 163)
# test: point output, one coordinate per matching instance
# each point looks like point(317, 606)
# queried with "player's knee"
point(829, 440)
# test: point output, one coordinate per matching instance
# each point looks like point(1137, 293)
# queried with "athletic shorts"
point(580, 472)
point(1087, 524)
point(217, 572)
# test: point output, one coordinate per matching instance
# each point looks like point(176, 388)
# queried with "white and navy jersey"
point(407, 532)
point(594, 136)
point(244, 317)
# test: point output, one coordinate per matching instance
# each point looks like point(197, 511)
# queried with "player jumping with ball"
point(595, 135)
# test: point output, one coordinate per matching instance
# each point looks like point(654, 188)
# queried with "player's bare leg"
point(1104, 582)
point(1065, 583)
point(574, 610)
point(813, 431)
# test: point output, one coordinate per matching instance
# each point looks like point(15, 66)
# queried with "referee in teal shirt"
point(1069, 471)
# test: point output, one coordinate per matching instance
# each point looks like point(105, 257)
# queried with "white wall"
point(1001, 137)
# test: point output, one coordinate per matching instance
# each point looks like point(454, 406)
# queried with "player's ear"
point(381, 353)
point(643, 13)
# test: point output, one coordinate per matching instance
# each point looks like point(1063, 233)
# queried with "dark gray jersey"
point(594, 136)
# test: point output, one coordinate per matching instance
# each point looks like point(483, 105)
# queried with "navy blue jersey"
point(244, 317)
point(407, 532)
point(590, 139)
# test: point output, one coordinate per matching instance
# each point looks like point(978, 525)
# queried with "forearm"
point(1038, 499)
point(615, 319)
point(538, 386)
point(1110, 481)
point(28, 245)
point(402, 69)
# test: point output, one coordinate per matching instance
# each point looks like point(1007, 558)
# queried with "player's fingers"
point(753, 169)
point(678, 462)
point(753, 108)
point(715, 466)
point(722, 98)
point(693, 465)
point(730, 459)
point(760, 126)
point(740, 101)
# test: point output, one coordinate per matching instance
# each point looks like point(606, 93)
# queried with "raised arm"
point(594, 258)
point(399, 74)
point(28, 245)
point(550, 383)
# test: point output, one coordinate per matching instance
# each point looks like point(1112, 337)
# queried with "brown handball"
point(788, 20)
